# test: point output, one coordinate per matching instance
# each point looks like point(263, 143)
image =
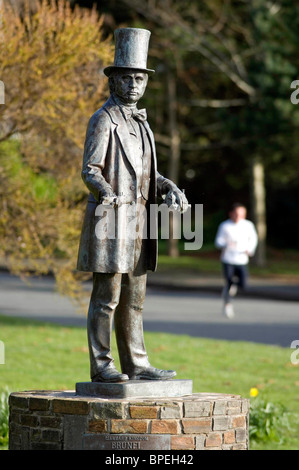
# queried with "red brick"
point(73, 407)
point(29, 420)
point(127, 426)
point(144, 412)
point(194, 426)
point(239, 422)
point(99, 425)
point(182, 443)
point(229, 437)
point(213, 440)
point(50, 421)
point(38, 404)
point(165, 426)
point(18, 401)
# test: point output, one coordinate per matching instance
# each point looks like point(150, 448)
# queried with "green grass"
point(44, 356)
point(279, 263)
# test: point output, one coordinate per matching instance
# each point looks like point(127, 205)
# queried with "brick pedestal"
point(53, 420)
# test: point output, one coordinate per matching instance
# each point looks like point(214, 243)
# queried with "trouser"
point(230, 272)
point(118, 297)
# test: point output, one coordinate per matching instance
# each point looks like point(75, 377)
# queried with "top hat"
point(131, 48)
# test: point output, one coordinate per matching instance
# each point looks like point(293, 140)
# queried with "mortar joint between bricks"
point(109, 425)
point(51, 407)
point(149, 427)
point(181, 427)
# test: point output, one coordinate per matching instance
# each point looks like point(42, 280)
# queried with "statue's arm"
point(95, 151)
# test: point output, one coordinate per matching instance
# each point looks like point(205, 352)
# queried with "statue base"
point(135, 389)
point(64, 420)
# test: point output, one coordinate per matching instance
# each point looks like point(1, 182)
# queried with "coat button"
point(132, 187)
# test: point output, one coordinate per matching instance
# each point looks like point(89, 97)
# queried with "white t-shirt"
point(236, 240)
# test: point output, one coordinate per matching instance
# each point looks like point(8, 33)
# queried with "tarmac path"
point(194, 313)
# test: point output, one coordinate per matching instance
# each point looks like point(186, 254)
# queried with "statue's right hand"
point(115, 201)
point(110, 200)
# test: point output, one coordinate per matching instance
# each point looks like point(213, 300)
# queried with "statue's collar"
point(129, 110)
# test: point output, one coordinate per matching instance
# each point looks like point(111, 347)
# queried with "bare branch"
point(167, 18)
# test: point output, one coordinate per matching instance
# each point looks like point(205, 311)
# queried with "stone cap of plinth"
point(136, 389)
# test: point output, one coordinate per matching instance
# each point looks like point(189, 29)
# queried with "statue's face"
point(129, 85)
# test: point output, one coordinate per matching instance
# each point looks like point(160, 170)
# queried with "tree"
point(51, 59)
point(237, 60)
point(189, 31)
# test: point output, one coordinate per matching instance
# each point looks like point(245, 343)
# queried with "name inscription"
point(126, 442)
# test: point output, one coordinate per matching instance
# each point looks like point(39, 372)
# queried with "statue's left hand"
point(176, 199)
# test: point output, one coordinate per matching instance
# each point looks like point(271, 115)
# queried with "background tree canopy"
point(233, 63)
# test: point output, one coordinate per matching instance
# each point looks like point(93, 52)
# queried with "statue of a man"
point(119, 168)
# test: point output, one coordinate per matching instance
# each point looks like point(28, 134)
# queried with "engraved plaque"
point(126, 442)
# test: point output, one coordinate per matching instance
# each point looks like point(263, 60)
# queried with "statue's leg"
point(129, 314)
point(103, 302)
point(129, 332)
point(129, 324)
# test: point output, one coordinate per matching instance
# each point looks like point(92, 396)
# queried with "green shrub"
point(4, 414)
point(267, 420)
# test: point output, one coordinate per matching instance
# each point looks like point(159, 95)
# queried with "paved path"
point(195, 313)
point(284, 288)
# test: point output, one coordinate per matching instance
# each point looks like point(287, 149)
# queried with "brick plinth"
point(50, 420)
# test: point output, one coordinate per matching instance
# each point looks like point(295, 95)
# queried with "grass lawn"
point(44, 356)
point(279, 264)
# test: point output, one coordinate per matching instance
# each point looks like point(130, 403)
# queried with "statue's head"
point(129, 74)
point(128, 84)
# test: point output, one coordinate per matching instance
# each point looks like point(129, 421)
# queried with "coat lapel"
point(121, 130)
point(152, 142)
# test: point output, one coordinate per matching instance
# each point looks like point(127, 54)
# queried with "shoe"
point(110, 375)
point(233, 290)
point(228, 311)
point(151, 373)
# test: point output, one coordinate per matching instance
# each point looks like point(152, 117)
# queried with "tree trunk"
point(173, 169)
point(258, 196)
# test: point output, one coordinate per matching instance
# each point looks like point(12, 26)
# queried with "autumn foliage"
point(51, 63)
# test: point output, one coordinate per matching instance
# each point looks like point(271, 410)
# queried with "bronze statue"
point(120, 171)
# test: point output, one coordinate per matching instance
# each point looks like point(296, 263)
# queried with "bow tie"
point(139, 114)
